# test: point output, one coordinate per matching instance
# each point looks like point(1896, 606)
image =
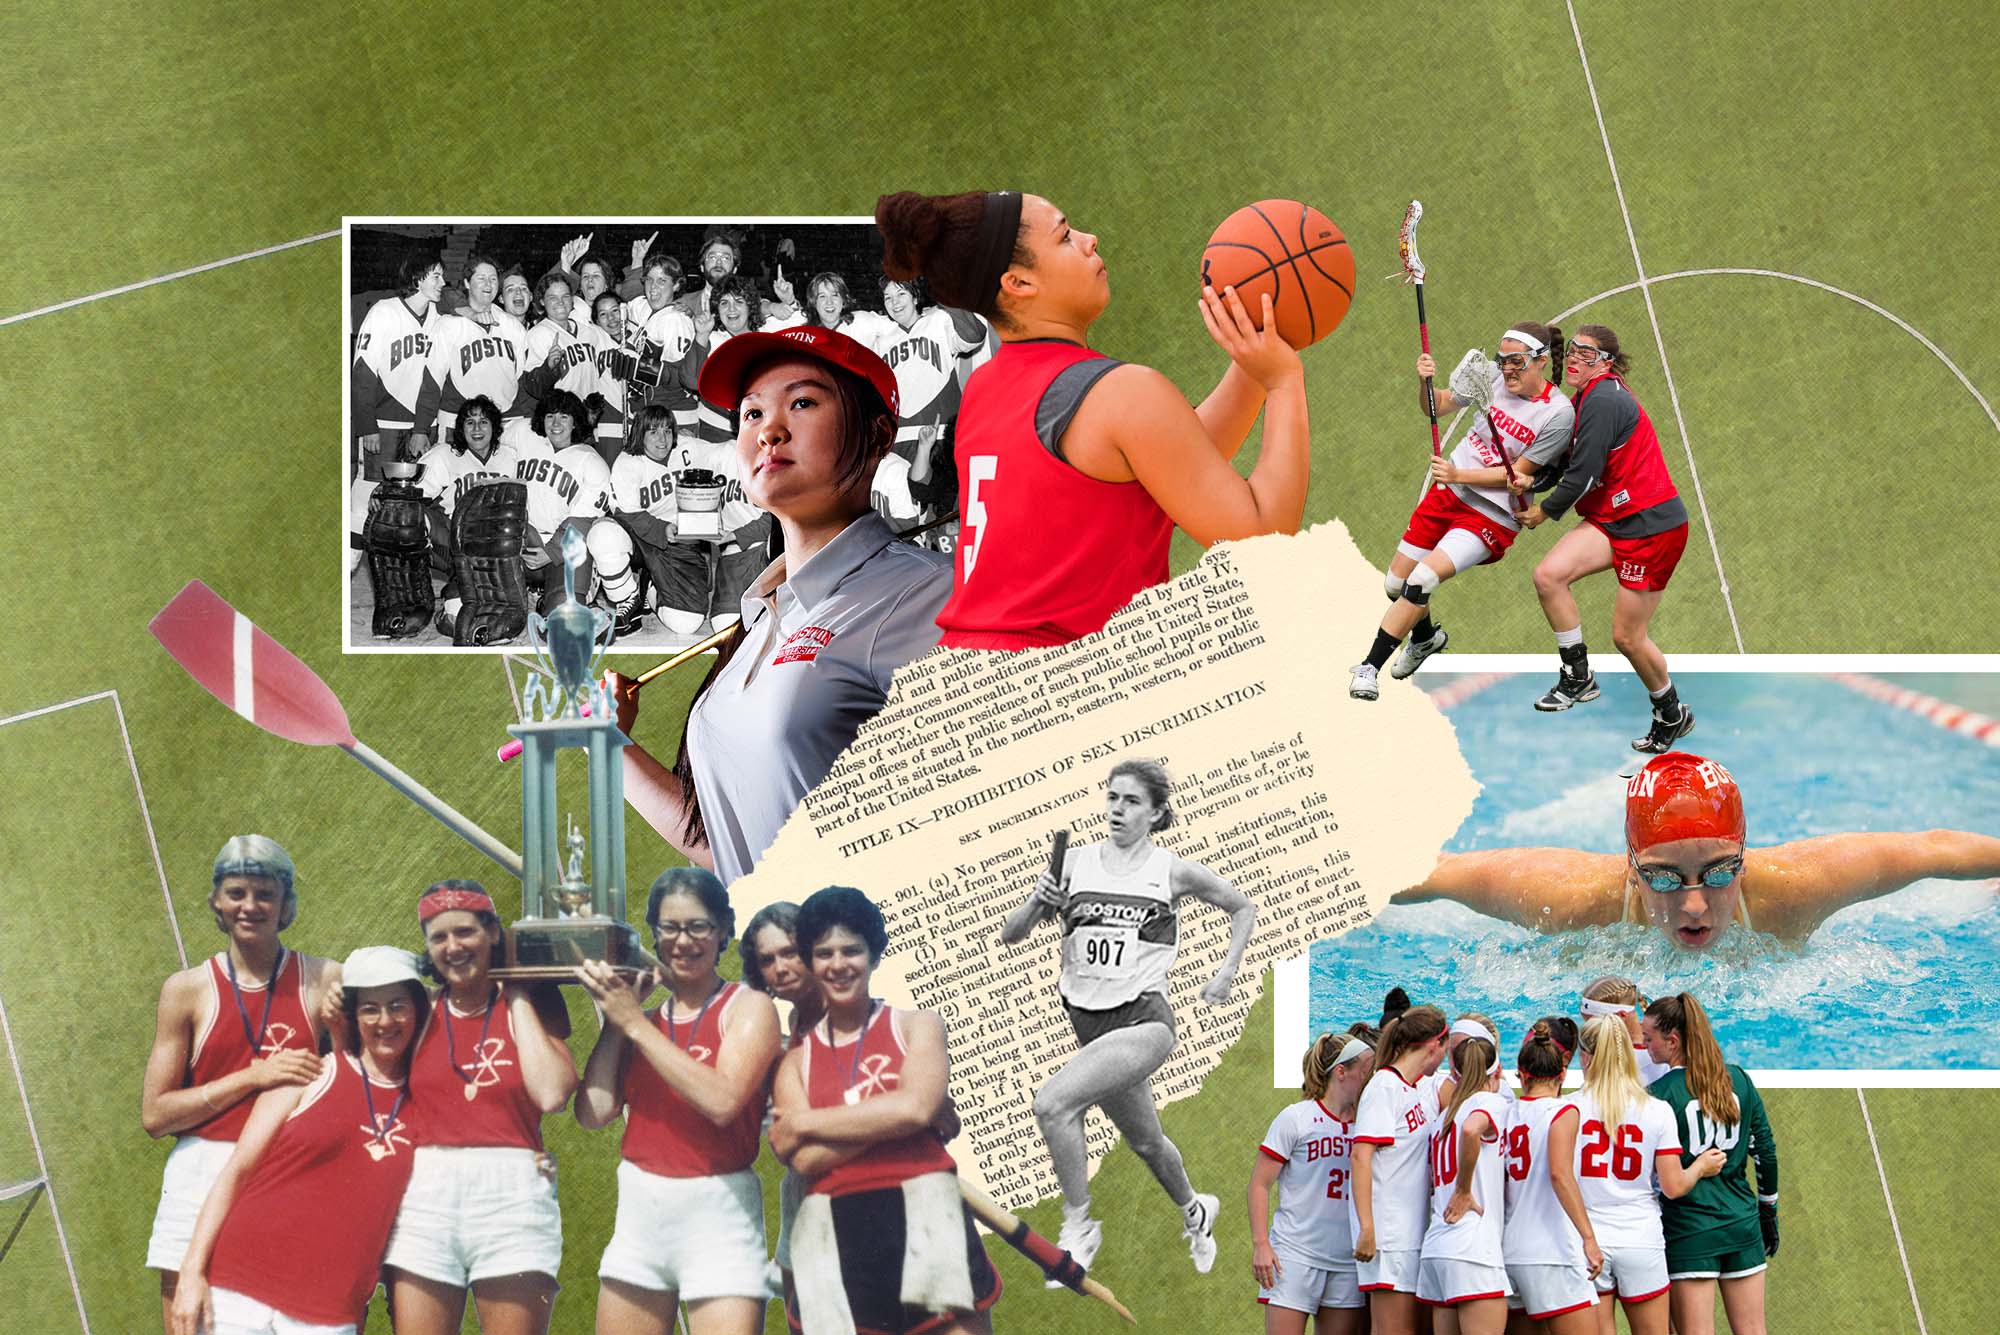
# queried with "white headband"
point(1535, 345)
point(1355, 1048)
point(1592, 1006)
point(1474, 1029)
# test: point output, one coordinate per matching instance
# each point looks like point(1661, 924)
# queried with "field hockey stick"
point(696, 650)
point(265, 683)
point(1413, 272)
point(1056, 1263)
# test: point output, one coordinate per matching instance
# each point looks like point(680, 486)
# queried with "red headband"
point(445, 900)
point(1682, 796)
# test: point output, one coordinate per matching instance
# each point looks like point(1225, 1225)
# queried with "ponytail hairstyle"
point(1619, 361)
point(938, 238)
point(1618, 991)
point(1318, 1064)
point(1419, 1024)
point(1612, 1077)
point(1701, 1055)
point(1546, 1051)
point(1471, 1065)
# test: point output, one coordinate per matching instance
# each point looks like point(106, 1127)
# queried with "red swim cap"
point(1681, 796)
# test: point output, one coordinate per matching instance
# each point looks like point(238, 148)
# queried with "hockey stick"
point(1413, 272)
point(1056, 1263)
point(695, 650)
point(264, 682)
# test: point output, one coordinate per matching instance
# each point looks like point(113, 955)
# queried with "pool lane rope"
point(1952, 718)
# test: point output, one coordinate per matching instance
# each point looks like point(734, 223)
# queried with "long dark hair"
point(1545, 1052)
point(1701, 1055)
point(936, 237)
point(1418, 1024)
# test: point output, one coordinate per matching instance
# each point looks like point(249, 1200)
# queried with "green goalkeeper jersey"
point(1726, 1201)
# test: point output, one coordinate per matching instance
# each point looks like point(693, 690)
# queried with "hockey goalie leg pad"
point(399, 560)
point(486, 541)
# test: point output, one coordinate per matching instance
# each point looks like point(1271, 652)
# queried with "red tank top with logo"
point(308, 1230)
point(837, 1075)
point(1046, 554)
point(1635, 472)
point(273, 1017)
point(664, 1133)
point(467, 1070)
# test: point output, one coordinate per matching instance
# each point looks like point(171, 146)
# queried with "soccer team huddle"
point(412, 1156)
point(576, 402)
point(1413, 1181)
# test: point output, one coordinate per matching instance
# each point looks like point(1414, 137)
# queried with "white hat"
point(373, 966)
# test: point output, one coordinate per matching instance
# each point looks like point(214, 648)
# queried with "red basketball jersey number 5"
point(981, 469)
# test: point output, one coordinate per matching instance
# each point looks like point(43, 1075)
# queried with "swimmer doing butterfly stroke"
point(1688, 870)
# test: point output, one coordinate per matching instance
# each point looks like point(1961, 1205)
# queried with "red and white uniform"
point(1046, 554)
point(579, 355)
point(837, 1074)
point(1538, 1232)
point(392, 367)
point(1615, 1165)
point(571, 483)
point(469, 359)
point(1477, 1236)
point(222, 1048)
point(1312, 1225)
point(1635, 473)
point(1537, 427)
point(471, 1065)
point(1395, 1116)
point(664, 1134)
point(307, 1231)
point(448, 474)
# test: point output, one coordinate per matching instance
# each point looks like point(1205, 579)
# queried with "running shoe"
point(1568, 690)
point(1081, 1236)
point(1199, 1230)
point(1412, 655)
point(1362, 685)
point(1665, 732)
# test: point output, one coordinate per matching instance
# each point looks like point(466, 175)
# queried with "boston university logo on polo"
point(803, 645)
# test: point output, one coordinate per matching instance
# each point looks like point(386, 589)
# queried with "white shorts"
point(1307, 1288)
point(1389, 1270)
point(700, 1237)
point(474, 1213)
point(1634, 1273)
point(791, 1191)
point(192, 1168)
point(238, 1314)
point(1544, 1291)
point(1442, 1281)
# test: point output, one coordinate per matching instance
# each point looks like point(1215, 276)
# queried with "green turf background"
point(195, 429)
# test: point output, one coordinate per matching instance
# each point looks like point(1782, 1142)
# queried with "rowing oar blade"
point(1056, 1263)
point(266, 683)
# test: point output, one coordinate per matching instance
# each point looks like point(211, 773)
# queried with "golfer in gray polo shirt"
point(824, 627)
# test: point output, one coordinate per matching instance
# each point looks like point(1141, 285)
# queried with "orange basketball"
point(1291, 251)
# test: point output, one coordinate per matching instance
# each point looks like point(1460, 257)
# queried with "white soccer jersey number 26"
point(981, 468)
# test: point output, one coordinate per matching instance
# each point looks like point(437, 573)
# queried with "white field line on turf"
point(167, 277)
point(1659, 340)
point(1952, 718)
point(145, 812)
point(42, 1162)
point(1894, 1227)
point(1857, 299)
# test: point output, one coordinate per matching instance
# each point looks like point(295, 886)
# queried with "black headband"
point(999, 226)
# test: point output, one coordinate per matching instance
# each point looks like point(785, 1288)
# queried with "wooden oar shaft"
point(455, 821)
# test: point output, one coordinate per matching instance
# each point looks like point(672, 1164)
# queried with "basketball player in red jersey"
point(236, 1024)
point(1634, 521)
point(1687, 869)
point(883, 1242)
point(480, 1215)
point(690, 1078)
point(1055, 439)
point(290, 1237)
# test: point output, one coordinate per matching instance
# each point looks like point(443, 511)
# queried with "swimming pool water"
point(1908, 981)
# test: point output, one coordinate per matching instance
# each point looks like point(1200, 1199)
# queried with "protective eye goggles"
point(1515, 361)
point(1578, 353)
point(1669, 881)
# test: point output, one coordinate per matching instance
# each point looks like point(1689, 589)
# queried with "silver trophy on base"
point(571, 916)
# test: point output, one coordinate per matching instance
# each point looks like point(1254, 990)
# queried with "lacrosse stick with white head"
point(1413, 272)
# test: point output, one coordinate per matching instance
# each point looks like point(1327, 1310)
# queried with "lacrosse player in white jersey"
point(1303, 1257)
point(1467, 517)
